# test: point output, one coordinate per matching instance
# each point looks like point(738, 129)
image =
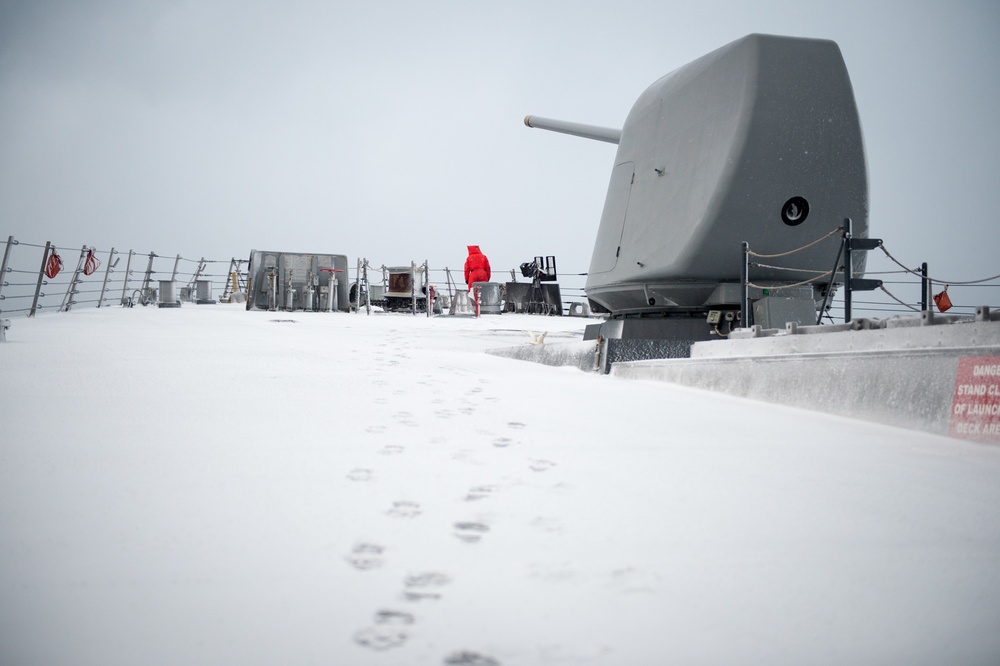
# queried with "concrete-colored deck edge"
point(909, 388)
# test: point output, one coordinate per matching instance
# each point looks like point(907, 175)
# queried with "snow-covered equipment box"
point(297, 281)
point(405, 289)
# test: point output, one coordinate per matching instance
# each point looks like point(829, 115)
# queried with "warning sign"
point(975, 409)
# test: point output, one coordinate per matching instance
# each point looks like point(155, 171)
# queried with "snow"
point(208, 485)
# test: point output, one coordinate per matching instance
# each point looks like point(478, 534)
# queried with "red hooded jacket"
point(477, 266)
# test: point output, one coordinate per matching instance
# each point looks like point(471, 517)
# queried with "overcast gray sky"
point(393, 130)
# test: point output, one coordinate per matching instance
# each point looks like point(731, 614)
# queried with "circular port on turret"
point(795, 211)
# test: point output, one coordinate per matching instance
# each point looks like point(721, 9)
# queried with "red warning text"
point(975, 408)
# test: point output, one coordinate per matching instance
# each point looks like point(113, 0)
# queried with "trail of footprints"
point(391, 628)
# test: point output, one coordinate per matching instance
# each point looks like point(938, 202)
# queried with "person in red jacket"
point(477, 266)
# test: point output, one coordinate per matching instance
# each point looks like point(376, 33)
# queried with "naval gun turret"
point(757, 142)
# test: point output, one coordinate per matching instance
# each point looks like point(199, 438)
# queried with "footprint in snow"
point(381, 637)
point(365, 556)
point(468, 658)
point(470, 532)
point(360, 474)
point(423, 586)
point(404, 509)
point(427, 579)
point(480, 492)
point(393, 617)
point(405, 418)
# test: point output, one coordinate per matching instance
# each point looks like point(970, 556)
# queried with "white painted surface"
point(206, 485)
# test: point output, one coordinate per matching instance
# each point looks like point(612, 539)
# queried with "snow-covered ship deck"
point(210, 485)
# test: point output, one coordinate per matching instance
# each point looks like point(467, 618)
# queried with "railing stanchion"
point(368, 289)
point(427, 286)
point(107, 272)
point(848, 268)
point(745, 277)
point(6, 257)
point(925, 289)
point(128, 273)
point(145, 289)
point(41, 276)
point(829, 290)
point(71, 289)
point(413, 287)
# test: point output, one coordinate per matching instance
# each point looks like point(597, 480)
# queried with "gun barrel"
point(607, 134)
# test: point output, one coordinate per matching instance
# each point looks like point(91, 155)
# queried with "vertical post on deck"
point(829, 290)
point(745, 277)
point(848, 268)
point(144, 291)
point(107, 272)
point(427, 283)
point(41, 276)
point(357, 288)
point(201, 269)
point(368, 290)
point(128, 272)
point(413, 287)
point(447, 282)
point(67, 303)
point(6, 258)
point(925, 289)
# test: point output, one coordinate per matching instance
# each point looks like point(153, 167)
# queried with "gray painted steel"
point(203, 292)
point(167, 296)
point(608, 134)
point(490, 301)
point(710, 155)
point(297, 274)
point(902, 375)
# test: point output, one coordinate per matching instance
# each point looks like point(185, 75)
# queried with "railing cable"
point(804, 247)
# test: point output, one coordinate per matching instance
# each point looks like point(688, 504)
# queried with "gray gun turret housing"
point(758, 141)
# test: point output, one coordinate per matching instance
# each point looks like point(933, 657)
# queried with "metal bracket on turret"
point(863, 243)
point(852, 244)
point(864, 284)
